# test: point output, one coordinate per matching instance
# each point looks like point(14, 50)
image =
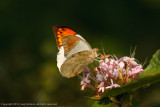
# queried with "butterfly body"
point(74, 54)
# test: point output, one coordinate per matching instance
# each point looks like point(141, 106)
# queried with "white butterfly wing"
point(60, 57)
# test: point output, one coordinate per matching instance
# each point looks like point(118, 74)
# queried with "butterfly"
point(75, 53)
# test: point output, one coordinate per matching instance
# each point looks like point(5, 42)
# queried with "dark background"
point(28, 50)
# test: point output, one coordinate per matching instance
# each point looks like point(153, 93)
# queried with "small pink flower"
point(116, 73)
point(112, 85)
point(99, 77)
point(86, 70)
point(106, 60)
point(135, 71)
point(121, 65)
point(101, 61)
point(85, 80)
point(84, 83)
point(112, 61)
point(101, 87)
point(125, 59)
point(129, 60)
point(96, 69)
point(103, 66)
point(134, 63)
point(105, 76)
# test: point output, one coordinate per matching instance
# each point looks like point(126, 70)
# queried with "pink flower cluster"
point(111, 73)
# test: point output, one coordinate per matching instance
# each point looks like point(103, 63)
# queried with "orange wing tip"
point(61, 32)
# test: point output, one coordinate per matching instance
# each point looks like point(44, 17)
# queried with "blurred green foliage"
point(28, 71)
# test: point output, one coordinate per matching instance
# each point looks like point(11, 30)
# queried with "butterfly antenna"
point(134, 52)
point(145, 61)
point(114, 56)
point(130, 51)
point(102, 48)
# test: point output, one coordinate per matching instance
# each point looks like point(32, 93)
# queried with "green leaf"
point(150, 75)
point(97, 104)
point(104, 102)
